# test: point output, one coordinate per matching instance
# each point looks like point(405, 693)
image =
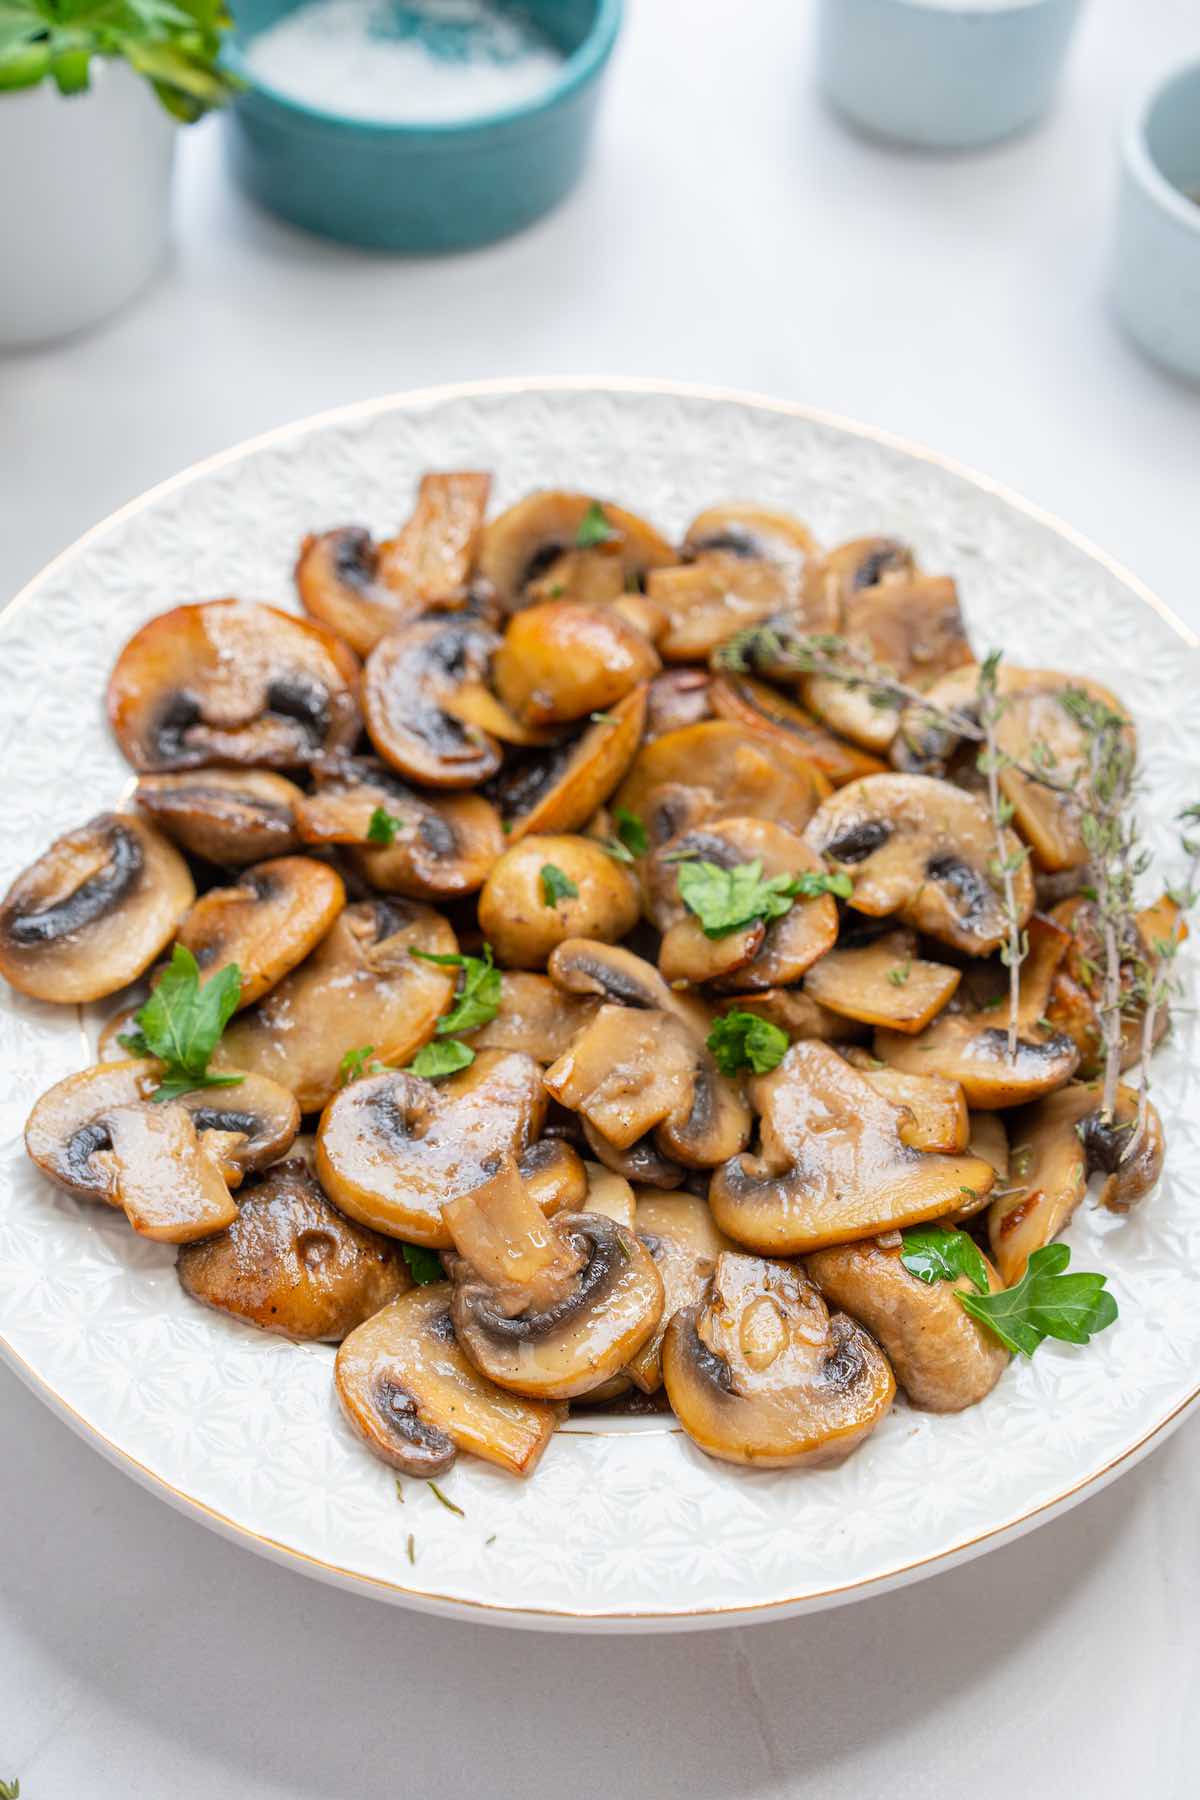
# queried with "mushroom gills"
point(679, 1233)
point(266, 924)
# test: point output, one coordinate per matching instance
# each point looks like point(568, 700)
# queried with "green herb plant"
point(1005, 864)
point(1046, 1302)
point(555, 885)
point(174, 44)
point(182, 1021)
point(594, 528)
point(383, 825)
point(742, 1040)
point(423, 1265)
point(726, 900)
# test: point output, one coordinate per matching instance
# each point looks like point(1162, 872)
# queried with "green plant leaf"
point(182, 1021)
point(1046, 1302)
point(478, 998)
point(556, 886)
point(423, 1265)
point(383, 826)
point(594, 528)
point(725, 900)
point(936, 1253)
point(631, 831)
point(741, 1040)
point(445, 1056)
point(355, 1064)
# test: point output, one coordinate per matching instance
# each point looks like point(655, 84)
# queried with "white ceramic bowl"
point(1156, 255)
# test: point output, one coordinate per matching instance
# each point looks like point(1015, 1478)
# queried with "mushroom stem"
point(503, 1234)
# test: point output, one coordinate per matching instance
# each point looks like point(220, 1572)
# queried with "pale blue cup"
point(943, 76)
point(1156, 256)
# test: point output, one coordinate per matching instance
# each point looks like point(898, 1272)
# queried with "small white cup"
point(943, 74)
point(1156, 255)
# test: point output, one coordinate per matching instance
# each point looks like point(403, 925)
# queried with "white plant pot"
point(85, 221)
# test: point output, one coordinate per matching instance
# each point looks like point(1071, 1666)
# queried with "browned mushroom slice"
point(759, 1371)
point(527, 542)
point(679, 1233)
point(718, 770)
point(751, 533)
point(608, 1194)
point(291, 1264)
point(758, 955)
point(392, 1148)
point(363, 590)
point(227, 816)
point(988, 1140)
point(677, 698)
point(525, 913)
point(798, 1014)
point(535, 1016)
point(267, 923)
point(1074, 997)
point(408, 681)
point(360, 986)
point(862, 563)
point(832, 1163)
point(231, 682)
point(555, 1176)
point(547, 1308)
point(93, 911)
point(745, 701)
point(939, 1119)
point(943, 1358)
point(559, 790)
point(883, 982)
point(412, 1396)
point(707, 601)
point(972, 1048)
point(923, 850)
point(442, 845)
point(560, 661)
point(641, 1162)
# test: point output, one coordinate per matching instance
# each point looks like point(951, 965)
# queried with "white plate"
point(623, 1527)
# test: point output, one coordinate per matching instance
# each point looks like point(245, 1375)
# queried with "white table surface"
point(729, 231)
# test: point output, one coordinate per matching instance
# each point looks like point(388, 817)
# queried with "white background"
point(729, 231)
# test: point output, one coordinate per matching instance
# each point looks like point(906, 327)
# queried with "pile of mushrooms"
point(438, 820)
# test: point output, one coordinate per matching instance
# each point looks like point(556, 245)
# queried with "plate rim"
point(544, 1618)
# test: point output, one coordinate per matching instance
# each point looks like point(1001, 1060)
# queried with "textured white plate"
point(629, 1526)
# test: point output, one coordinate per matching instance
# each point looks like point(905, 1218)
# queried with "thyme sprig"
point(1155, 985)
point(990, 762)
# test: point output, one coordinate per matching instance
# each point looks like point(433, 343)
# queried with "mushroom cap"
point(639, 1162)
point(679, 1233)
point(579, 1341)
point(706, 601)
point(759, 1372)
point(561, 790)
point(522, 543)
point(972, 1048)
point(795, 1012)
point(556, 1177)
point(290, 1263)
point(560, 661)
point(93, 911)
point(535, 1016)
point(921, 849)
point(751, 532)
point(228, 681)
point(832, 1163)
point(514, 912)
point(744, 701)
point(942, 1357)
point(361, 985)
point(883, 982)
point(677, 698)
point(267, 923)
point(938, 1107)
point(391, 1149)
point(413, 1397)
point(226, 816)
point(719, 770)
point(861, 563)
point(409, 685)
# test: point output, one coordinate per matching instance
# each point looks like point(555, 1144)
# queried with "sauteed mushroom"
point(705, 602)
point(938, 1108)
point(867, 563)
point(231, 682)
point(560, 661)
point(267, 923)
point(832, 1163)
point(93, 911)
point(641, 1162)
point(718, 770)
point(556, 1177)
point(943, 1358)
point(535, 1016)
point(883, 982)
point(409, 685)
point(412, 1396)
point(291, 1264)
point(744, 701)
point(524, 915)
point(363, 590)
point(971, 1047)
point(1074, 997)
point(391, 1149)
point(760, 1372)
point(225, 816)
point(796, 1013)
point(678, 1231)
point(676, 698)
point(361, 985)
point(561, 790)
point(923, 850)
point(751, 533)
point(538, 538)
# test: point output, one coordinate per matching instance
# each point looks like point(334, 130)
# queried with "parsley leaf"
point(175, 44)
point(631, 831)
point(182, 1021)
point(423, 1265)
point(935, 1253)
point(899, 973)
point(478, 999)
point(383, 827)
point(1046, 1302)
point(443, 1057)
point(725, 900)
point(594, 528)
point(556, 886)
point(354, 1064)
point(741, 1040)
point(811, 882)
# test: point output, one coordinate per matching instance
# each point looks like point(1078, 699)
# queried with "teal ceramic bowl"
point(425, 187)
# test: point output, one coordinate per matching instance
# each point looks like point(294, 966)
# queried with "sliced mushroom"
point(226, 816)
point(291, 1264)
point(832, 1163)
point(678, 1231)
point(391, 1149)
point(231, 682)
point(939, 1118)
point(360, 986)
point(797, 1013)
point(93, 911)
point(862, 563)
point(705, 602)
point(1074, 996)
point(560, 661)
point(988, 1140)
point(442, 844)
point(409, 684)
point(608, 1194)
point(971, 1047)
point(266, 924)
point(883, 982)
point(752, 534)
point(363, 590)
point(943, 1358)
point(555, 1175)
point(536, 538)
point(524, 918)
point(412, 1396)
point(758, 955)
point(560, 790)
point(547, 1308)
point(760, 1372)
point(242, 1128)
point(745, 701)
point(535, 1016)
point(677, 697)
point(640, 1162)
point(718, 770)
point(923, 850)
